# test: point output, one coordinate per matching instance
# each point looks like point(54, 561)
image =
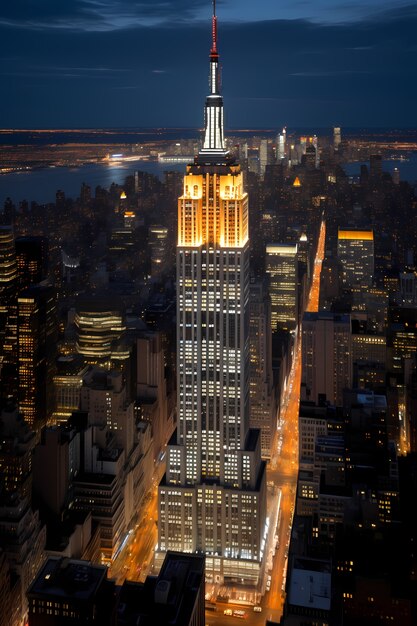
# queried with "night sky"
point(120, 63)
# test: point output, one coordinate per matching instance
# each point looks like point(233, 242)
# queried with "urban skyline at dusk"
point(208, 340)
point(118, 64)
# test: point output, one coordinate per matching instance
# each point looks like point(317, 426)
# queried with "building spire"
point(213, 150)
point(214, 31)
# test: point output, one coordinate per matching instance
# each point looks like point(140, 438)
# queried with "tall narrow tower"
point(213, 498)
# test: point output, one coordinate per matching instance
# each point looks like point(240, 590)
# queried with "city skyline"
point(119, 63)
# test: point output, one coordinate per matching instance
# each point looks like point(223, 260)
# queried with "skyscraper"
point(337, 137)
point(282, 268)
point(8, 313)
point(37, 333)
point(355, 249)
point(262, 400)
point(281, 141)
point(213, 499)
point(326, 357)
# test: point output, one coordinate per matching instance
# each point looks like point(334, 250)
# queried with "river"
point(407, 168)
point(41, 184)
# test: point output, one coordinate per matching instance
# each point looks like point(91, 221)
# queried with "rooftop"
point(61, 577)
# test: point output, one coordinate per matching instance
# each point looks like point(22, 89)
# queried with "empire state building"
point(212, 499)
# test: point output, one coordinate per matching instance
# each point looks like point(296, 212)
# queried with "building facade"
point(326, 357)
point(282, 268)
point(213, 499)
point(263, 409)
point(355, 249)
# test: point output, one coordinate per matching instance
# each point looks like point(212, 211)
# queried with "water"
point(408, 168)
point(42, 184)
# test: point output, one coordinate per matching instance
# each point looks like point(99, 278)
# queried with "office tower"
point(331, 278)
point(8, 264)
point(355, 249)
point(173, 598)
point(310, 157)
point(68, 380)
point(408, 288)
point(100, 326)
point(71, 592)
point(37, 335)
point(396, 176)
point(402, 333)
point(121, 239)
point(151, 388)
point(16, 450)
point(375, 166)
point(22, 539)
point(8, 313)
point(282, 267)
point(263, 156)
point(326, 357)
point(32, 260)
point(56, 461)
point(70, 268)
point(85, 194)
point(212, 499)
point(158, 236)
point(312, 423)
point(337, 137)
point(369, 354)
point(281, 144)
point(262, 401)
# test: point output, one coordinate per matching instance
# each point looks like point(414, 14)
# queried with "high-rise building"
point(8, 313)
point(16, 452)
point(8, 264)
point(282, 267)
point(355, 249)
point(68, 380)
point(263, 156)
point(281, 147)
point(212, 499)
point(326, 357)
point(22, 539)
point(37, 333)
point(375, 166)
point(100, 325)
point(337, 137)
point(151, 388)
point(32, 260)
point(331, 276)
point(158, 236)
point(262, 401)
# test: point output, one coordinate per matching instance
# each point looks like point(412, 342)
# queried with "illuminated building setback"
point(213, 499)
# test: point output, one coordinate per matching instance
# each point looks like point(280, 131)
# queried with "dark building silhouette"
point(32, 260)
point(174, 598)
point(67, 591)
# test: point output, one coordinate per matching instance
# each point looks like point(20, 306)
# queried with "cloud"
point(95, 15)
point(274, 72)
